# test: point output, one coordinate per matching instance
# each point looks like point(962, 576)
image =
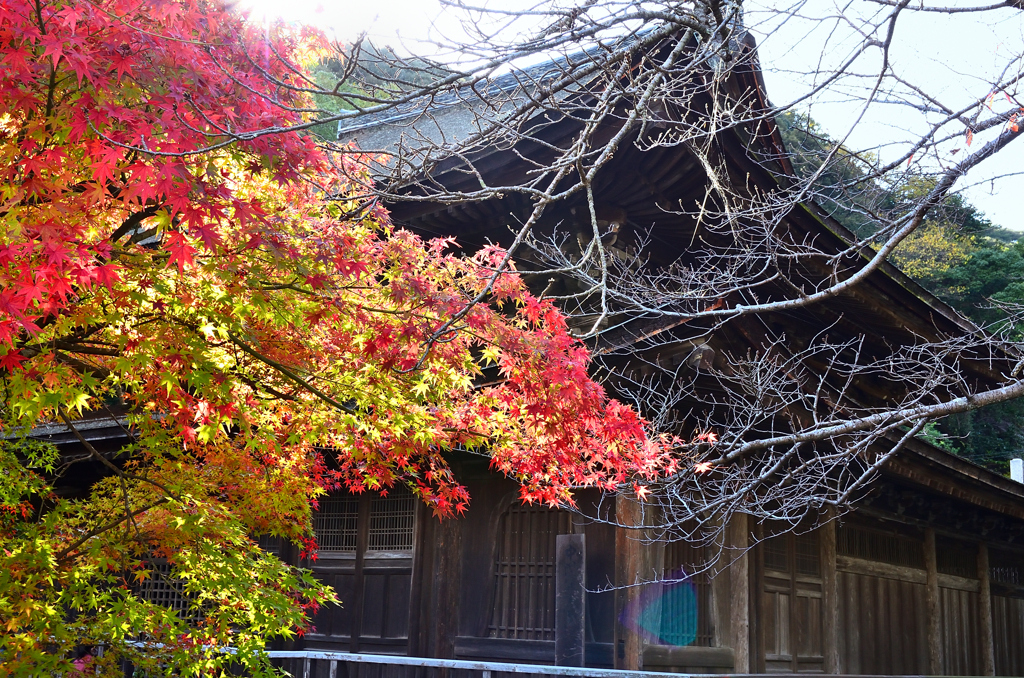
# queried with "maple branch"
point(134, 221)
point(258, 386)
point(1013, 4)
point(75, 347)
point(121, 473)
point(108, 526)
point(290, 375)
point(888, 418)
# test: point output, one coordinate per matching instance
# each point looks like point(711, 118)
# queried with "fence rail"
point(322, 664)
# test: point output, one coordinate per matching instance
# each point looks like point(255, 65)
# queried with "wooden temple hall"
point(923, 575)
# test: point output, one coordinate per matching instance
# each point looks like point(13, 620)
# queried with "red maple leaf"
point(181, 251)
point(11, 361)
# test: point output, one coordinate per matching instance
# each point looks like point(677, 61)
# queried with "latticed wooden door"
point(792, 604)
point(366, 551)
point(524, 572)
point(1007, 572)
point(685, 597)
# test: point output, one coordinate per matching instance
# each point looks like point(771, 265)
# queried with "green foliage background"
point(365, 72)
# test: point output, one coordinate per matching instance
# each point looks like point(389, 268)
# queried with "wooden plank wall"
point(960, 632)
point(882, 625)
point(1008, 627)
point(483, 590)
point(891, 578)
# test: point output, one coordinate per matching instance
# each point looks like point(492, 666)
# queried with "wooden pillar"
point(737, 541)
point(445, 592)
point(932, 599)
point(570, 598)
point(358, 579)
point(829, 594)
point(720, 594)
point(419, 586)
point(988, 649)
point(757, 616)
point(627, 648)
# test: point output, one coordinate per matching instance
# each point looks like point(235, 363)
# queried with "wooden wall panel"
point(1008, 631)
point(808, 626)
point(776, 630)
point(335, 620)
point(882, 625)
point(960, 631)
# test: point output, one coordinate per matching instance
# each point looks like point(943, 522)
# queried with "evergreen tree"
point(958, 254)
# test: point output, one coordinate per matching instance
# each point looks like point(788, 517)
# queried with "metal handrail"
point(487, 668)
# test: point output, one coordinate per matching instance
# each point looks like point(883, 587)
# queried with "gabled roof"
point(889, 306)
point(511, 85)
point(639, 181)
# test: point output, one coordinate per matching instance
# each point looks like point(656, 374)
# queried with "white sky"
point(946, 55)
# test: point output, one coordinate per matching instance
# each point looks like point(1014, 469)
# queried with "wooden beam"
point(913, 575)
point(570, 598)
point(988, 650)
point(829, 593)
point(932, 604)
point(737, 541)
point(671, 656)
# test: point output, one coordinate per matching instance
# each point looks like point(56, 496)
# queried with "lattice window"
point(391, 521)
point(884, 547)
point(686, 604)
point(162, 588)
point(336, 523)
point(270, 543)
point(805, 555)
point(956, 558)
point(776, 554)
point(524, 574)
point(808, 554)
point(1006, 567)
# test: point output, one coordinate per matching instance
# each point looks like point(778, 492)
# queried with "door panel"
point(791, 604)
point(366, 554)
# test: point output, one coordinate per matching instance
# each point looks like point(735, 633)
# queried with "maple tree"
point(263, 336)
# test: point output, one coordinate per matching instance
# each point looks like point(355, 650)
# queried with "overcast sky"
point(946, 55)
